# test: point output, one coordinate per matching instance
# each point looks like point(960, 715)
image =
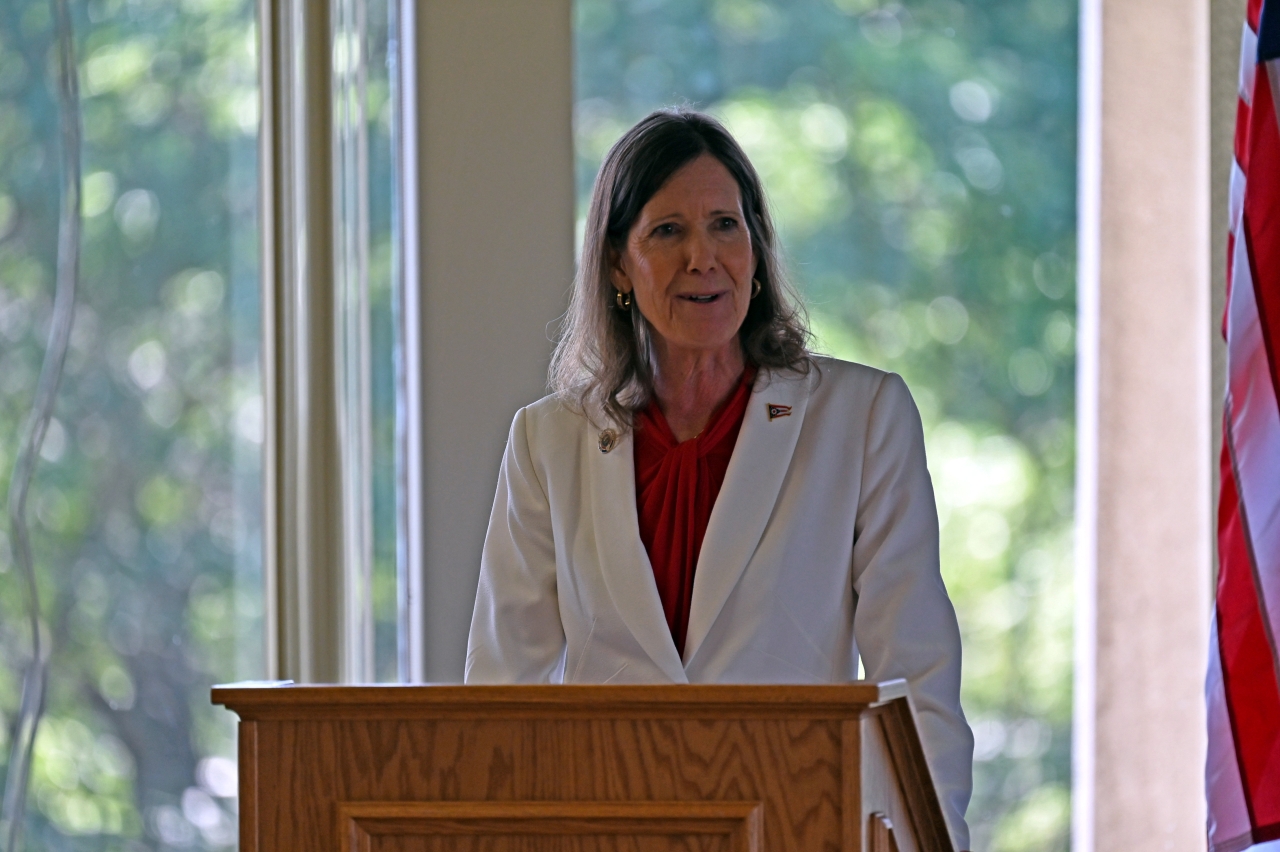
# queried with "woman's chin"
point(700, 340)
point(703, 327)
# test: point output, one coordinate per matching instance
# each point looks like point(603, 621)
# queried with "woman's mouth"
point(701, 299)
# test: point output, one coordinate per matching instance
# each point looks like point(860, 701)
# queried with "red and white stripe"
point(1243, 684)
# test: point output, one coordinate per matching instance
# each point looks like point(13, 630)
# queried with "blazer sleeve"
point(516, 632)
point(903, 622)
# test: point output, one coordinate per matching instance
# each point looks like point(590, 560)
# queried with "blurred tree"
point(146, 505)
point(920, 161)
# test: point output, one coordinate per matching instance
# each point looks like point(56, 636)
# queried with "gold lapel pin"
point(608, 440)
point(776, 411)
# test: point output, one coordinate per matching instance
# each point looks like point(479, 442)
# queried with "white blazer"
point(822, 546)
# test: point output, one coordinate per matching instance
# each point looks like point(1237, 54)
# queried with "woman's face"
point(689, 261)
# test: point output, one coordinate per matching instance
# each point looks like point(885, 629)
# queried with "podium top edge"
point(285, 699)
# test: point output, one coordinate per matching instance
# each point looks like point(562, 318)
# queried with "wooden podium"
point(534, 768)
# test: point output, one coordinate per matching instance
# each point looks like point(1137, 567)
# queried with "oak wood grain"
point(546, 843)
point(735, 825)
point(579, 769)
point(247, 792)
point(852, 769)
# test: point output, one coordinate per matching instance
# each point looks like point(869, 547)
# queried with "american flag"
point(1243, 686)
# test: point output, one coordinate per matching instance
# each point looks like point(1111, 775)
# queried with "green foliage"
point(145, 506)
point(920, 161)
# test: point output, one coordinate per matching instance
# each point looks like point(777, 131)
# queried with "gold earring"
point(755, 287)
point(623, 300)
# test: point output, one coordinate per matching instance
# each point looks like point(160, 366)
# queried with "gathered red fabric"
point(676, 488)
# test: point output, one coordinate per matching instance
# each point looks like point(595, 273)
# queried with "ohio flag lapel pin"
point(776, 411)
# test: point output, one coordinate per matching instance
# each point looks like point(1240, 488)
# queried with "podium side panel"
point(882, 794)
point(915, 780)
point(898, 785)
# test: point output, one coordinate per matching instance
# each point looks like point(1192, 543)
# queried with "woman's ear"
point(618, 275)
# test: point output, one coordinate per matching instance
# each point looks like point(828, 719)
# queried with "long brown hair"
point(603, 359)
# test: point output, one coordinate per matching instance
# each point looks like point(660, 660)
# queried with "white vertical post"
point(1144, 454)
point(315, 447)
point(493, 208)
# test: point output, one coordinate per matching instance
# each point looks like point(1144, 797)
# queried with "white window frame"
point(317, 542)
point(485, 137)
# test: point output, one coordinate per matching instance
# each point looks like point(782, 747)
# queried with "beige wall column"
point(492, 204)
point(1144, 418)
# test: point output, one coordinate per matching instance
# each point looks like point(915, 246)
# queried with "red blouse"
point(676, 488)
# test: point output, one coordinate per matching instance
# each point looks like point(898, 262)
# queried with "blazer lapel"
point(627, 571)
point(757, 468)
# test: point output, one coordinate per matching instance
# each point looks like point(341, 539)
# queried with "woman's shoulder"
point(552, 422)
point(847, 371)
point(553, 413)
point(833, 377)
point(851, 398)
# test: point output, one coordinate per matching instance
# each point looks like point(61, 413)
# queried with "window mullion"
point(317, 610)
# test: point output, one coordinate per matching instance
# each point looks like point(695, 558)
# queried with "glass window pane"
point(920, 161)
point(367, 289)
point(145, 511)
point(384, 281)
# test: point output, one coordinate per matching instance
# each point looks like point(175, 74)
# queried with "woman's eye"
point(728, 223)
point(665, 230)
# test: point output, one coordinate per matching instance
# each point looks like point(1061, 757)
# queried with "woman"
point(701, 500)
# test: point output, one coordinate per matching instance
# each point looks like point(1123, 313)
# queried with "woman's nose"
point(702, 255)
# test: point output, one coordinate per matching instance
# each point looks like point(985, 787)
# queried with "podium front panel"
point(649, 769)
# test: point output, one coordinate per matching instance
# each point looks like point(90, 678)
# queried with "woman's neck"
point(691, 384)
